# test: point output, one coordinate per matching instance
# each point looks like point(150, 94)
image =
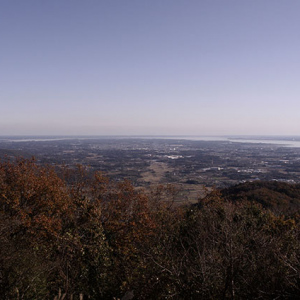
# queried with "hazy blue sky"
point(150, 67)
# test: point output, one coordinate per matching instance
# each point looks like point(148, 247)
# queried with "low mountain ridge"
point(270, 194)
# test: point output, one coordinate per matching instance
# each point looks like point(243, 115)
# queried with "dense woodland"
point(69, 234)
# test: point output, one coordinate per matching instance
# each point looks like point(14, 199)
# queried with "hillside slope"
point(270, 194)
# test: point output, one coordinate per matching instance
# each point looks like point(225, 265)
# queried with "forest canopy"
point(67, 233)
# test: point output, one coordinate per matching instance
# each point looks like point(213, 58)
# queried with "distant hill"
point(270, 194)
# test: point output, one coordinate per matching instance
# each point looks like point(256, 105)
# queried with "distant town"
point(190, 165)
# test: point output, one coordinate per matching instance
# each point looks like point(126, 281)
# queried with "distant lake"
point(283, 141)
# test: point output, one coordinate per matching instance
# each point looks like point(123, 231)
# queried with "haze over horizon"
point(149, 67)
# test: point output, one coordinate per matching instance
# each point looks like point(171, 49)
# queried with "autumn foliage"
point(67, 233)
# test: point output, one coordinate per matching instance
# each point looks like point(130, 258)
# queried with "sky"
point(159, 67)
